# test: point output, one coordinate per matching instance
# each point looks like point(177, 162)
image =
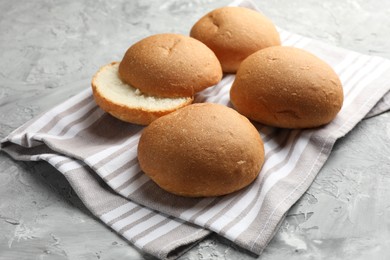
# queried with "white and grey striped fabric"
point(98, 155)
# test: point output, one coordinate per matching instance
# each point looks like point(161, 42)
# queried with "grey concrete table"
point(50, 50)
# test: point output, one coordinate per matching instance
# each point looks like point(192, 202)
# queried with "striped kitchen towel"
point(98, 155)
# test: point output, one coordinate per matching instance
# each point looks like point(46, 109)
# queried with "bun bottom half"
point(128, 103)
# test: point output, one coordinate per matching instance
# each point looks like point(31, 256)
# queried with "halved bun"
point(170, 65)
point(287, 87)
point(126, 102)
point(233, 33)
point(201, 150)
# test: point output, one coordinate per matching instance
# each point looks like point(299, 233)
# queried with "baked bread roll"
point(201, 150)
point(126, 102)
point(156, 76)
point(233, 33)
point(287, 87)
point(170, 65)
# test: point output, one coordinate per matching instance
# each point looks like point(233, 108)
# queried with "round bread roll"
point(126, 102)
point(170, 65)
point(201, 150)
point(287, 87)
point(234, 33)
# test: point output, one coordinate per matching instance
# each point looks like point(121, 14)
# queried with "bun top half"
point(170, 65)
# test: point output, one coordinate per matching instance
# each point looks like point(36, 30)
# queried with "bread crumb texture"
point(128, 103)
point(115, 89)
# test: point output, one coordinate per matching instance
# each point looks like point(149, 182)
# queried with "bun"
point(233, 33)
point(201, 150)
point(127, 103)
point(287, 87)
point(170, 65)
point(156, 76)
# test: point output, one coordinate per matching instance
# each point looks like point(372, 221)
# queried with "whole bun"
point(287, 87)
point(170, 65)
point(201, 150)
point(233, 33)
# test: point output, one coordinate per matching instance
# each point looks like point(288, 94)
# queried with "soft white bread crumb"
point(128, 103)
point(113, 88)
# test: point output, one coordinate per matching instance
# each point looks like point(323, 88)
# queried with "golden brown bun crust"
point(287, 87)
point(233, 33)
point(128, 113)
point(170, 65)
point(201, 150)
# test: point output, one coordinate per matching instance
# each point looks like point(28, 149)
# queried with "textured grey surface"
point(50, 50)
